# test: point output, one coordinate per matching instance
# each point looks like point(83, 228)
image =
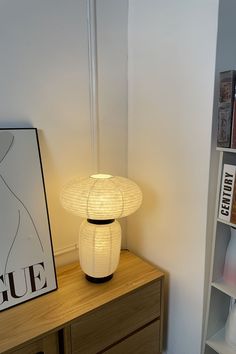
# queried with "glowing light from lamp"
point(100, 198)
point(101, 244)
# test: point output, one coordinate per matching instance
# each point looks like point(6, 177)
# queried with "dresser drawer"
point(46, 345)
point(117, 319)
point(146, 341)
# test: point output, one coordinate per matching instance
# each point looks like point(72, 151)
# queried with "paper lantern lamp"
point(101, 199)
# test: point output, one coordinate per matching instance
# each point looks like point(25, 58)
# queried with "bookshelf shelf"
point(226, 289)
point(217, 342)
point(226, 150)
point(226, 223)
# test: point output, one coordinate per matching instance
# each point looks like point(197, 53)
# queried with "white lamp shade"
point(99, 248)
point(101, 197)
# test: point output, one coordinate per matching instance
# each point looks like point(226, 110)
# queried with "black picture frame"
point(27, 266)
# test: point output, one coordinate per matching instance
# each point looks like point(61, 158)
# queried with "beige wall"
point(172, 47)
point(45, 83)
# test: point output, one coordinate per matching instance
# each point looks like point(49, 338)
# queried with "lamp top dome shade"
point(101, 197)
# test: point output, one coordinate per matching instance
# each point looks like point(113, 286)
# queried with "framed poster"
point(27, 268)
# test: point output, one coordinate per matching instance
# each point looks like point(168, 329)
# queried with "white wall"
point(112, 45)
point(172, 48)
point(45, 83)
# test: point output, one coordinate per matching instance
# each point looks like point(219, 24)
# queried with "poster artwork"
point(26, 257)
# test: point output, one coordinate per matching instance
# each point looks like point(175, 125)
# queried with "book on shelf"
point(233, 129)
point(225, 108)
point(233, 209)
point(227, 205)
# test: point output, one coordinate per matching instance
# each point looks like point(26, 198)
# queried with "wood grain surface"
point(75, 297)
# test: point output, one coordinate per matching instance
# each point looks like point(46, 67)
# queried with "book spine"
point(227, 189)
point(224, 125)
point(225, 108)
point(233, 134)
point(233, 209)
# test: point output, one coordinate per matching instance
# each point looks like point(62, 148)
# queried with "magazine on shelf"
point(227, 205)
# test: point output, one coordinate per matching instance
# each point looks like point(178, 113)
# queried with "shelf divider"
point(226, 150)
point(225, 288)
point(218, 343)
point(226, 222)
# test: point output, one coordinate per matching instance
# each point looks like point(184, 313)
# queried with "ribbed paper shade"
point(101, 197)
point(99, 248)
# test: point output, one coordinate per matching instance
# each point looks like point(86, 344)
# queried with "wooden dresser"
point(123, 315)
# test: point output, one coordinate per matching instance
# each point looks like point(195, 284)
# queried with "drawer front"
point(115, 320)
point(46, 345)
point(145, 341)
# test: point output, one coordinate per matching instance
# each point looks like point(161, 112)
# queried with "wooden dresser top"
point(75, 297)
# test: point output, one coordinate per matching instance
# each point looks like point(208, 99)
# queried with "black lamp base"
point(98, 280)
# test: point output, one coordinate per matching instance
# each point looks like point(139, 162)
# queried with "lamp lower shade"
point(99, 250)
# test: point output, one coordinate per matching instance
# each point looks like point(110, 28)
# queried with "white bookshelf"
point(219, 293)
